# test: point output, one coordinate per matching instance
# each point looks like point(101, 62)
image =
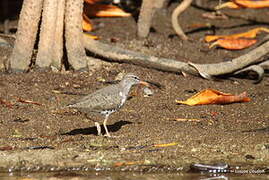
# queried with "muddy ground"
point(237, 134)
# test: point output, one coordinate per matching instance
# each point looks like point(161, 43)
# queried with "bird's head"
point(132, 79)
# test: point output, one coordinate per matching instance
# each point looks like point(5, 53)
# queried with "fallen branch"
point(122, 55)
point(205, 70)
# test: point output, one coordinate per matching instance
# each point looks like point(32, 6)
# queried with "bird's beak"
point(144, 83)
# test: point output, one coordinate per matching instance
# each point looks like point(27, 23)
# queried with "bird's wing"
point(104, 99)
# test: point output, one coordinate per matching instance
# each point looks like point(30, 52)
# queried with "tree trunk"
point(57, 54)
point(26, 35)
point(47, 34)
point(145, 17)
point(74, 37)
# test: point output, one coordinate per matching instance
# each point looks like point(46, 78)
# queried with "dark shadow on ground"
point(263, 130)
point(92, 130)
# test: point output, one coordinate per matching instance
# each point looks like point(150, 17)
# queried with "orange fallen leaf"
point(93, 9)
point(237, 4)
point(86, 23)
point(103, 10)
point(234, 44)
point(165, 145)
point(252, 3)
point(91, 36)
point(231, 5)
point(91, 1)
point(249, 34)
point(211, 96)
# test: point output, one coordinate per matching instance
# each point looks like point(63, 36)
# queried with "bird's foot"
point(109, 136)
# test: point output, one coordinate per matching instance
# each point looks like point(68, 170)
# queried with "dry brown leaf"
point(200, 25)
point(28, 102)
point(249, 34)
point(214, 15)
point(165, 145)
point(234, 44)
point(6, 103)
point(128, 163)
point(187, 120)
point(6, 148)
point(211, 96)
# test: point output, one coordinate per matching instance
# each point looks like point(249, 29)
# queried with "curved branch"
point(254, 56)
point(179, 9)
point(255, 68)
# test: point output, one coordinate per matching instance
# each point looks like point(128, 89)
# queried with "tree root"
point(47, 33)
point(26, 35)
point(118, 54)
point(255, 56)
point(147, 12)
point(73, 29)
point(208, 71)
point(180, 9)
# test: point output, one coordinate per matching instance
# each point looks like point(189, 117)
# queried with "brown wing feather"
point(104, 99)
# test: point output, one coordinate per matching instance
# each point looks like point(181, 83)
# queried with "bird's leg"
point(105, 121)
point(98, 128)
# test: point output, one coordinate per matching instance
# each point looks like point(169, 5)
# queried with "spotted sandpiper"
point(107, 100)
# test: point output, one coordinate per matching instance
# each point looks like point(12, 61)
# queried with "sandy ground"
point(237, 134)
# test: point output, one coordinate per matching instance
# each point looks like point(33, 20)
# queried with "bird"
point(107, 100)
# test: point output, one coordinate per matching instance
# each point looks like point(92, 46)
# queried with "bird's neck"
point(126, 88)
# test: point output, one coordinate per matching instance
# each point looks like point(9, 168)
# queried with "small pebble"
point(147, 92)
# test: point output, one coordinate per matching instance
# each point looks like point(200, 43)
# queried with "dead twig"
point(28, 102)
point(6, 103)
